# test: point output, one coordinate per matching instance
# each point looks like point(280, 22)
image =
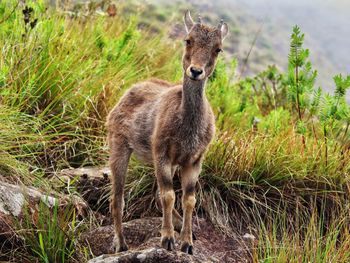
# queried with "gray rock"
point(149, 255)
point(14, 198)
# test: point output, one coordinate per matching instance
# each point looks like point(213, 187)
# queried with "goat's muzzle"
point(195, 72)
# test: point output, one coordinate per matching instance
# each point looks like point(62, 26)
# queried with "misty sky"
point(325, 22)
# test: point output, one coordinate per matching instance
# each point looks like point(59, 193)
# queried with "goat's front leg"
point(189, 178)
point(177, 218)
point(167, 198)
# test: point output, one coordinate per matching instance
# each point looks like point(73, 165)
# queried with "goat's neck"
point(193, 101)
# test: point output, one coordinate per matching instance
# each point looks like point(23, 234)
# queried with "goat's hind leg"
point(177, 221)
point(118, 161)
point(177, 218)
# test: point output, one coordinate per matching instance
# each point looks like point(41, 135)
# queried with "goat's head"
point(203, 44)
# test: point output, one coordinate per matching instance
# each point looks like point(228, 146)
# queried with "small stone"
point(141, 257)
point(249, 236)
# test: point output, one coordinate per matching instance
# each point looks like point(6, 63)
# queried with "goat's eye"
point(188, 42)
point(218, 50)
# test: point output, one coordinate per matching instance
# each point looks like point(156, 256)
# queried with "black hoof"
point(168, 243)
point(121, 248)
point(187, 248)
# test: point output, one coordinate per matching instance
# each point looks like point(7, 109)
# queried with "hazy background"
point(326, 24)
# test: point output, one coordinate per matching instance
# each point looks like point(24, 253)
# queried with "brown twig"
point(245, 63)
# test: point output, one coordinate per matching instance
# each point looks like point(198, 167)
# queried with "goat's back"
point(134, 116)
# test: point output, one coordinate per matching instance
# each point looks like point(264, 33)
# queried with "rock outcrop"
point(143, 238)
point(17, 201)
point(150, 255)
point(92, 183)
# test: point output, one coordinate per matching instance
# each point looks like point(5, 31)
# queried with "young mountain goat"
point(169, 126)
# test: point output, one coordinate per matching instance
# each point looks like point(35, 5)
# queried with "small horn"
point(220, 24)
point(199, 20)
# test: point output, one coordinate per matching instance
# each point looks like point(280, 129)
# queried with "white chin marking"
point(188, 72)
point(201, 77)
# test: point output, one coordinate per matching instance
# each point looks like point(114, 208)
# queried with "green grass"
point(66, 74)
point(53, 237)
point(307, 241)
point(286, 176)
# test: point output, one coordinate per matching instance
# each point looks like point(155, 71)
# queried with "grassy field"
point(279, 164)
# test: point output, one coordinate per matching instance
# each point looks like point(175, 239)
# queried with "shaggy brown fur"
point(168, 126)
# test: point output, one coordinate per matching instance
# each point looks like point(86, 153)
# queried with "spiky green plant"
point(301, 78)
point(335, 110)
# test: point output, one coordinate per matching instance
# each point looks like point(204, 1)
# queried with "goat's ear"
point(224, 31)
point(188, 21)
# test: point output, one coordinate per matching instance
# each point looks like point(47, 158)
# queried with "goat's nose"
point(196, 71)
